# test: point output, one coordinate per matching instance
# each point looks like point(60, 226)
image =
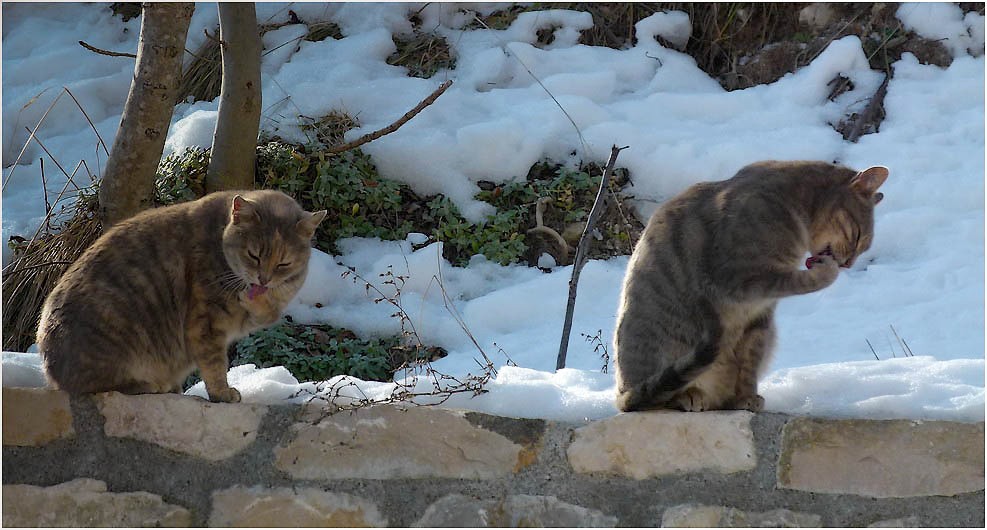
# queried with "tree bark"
point(128, 180)
point(234, 144)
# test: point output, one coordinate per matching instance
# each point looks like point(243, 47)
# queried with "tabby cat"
point(170, 289)
point(696, 318)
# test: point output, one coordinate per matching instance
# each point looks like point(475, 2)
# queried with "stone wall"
point(115, 460)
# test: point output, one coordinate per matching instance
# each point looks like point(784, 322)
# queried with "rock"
point(213, 431)
point(389, 442)
point(817, 15)
point(286, 507)
point(890, 458)
point(35, 416)
point(514, 511)
point(769, 64)
point(85, 502)
point(701, 516)
point(642, 445)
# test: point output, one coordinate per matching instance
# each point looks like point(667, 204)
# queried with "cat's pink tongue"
point(255, 290)
point(817, 258)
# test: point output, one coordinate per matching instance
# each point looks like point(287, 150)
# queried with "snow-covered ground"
point(924, 274)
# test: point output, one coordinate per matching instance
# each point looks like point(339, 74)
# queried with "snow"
point(962, 34)
point(924, 274)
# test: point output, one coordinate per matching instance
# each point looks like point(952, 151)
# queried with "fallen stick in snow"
point(581, 249)
point(870, 113)
point(92, 48)
point(394, 126)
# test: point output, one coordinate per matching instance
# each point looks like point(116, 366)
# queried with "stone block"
point(882, 458)
point(642, 445)
point(292, 507)
point(213, 431)
point(389, 442)
point(86, 503)
point(514, 511)
point(702, 516)
point(35, 416)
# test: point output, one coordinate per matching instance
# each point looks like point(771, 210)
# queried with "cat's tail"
point(658, 389)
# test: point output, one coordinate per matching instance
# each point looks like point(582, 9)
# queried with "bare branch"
point(106, 52)
point(581, 251)
point(394, 126)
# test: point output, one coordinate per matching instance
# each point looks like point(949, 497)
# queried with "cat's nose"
point(263, 278)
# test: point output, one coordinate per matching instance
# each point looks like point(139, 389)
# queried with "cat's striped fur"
point(696, 318)
point(170, 289)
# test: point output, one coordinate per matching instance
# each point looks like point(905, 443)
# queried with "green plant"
point(317, 353)
point(361, 203)
point(180, 176)
point(282, 168)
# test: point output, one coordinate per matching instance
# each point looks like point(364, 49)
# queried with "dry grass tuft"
point(202, 79)
point(329, 129)
point(36, 269)
point(204, 76)
point(323, 30)
point(423, 54)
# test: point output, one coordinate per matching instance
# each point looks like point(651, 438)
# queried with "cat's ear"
point(242, 210)
point(867, 181)
point(307, 225)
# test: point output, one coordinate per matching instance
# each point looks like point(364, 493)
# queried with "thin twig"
point(58, 199)
point(581, 251)
point(872, 349)
point(199, 57)
point(106, 52)
point(44, 189)
point(31, 137)
point(283, 44)
point(579, 132)
point(45, 149)
point(214, 38)
point(77, 104)
point(394, 126)
point(904, 345)
point(38, 266)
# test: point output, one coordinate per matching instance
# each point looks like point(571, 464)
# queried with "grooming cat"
point(696, 318)
point(170, 289)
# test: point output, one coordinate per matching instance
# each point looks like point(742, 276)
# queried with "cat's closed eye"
point(253, 256)
point(283, 265)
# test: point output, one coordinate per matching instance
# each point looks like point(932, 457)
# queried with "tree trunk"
point(234, 145)
point(128, 180)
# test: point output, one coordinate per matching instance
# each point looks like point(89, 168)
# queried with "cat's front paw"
point(226, 395)
point(824, 270)
point(689, 400)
